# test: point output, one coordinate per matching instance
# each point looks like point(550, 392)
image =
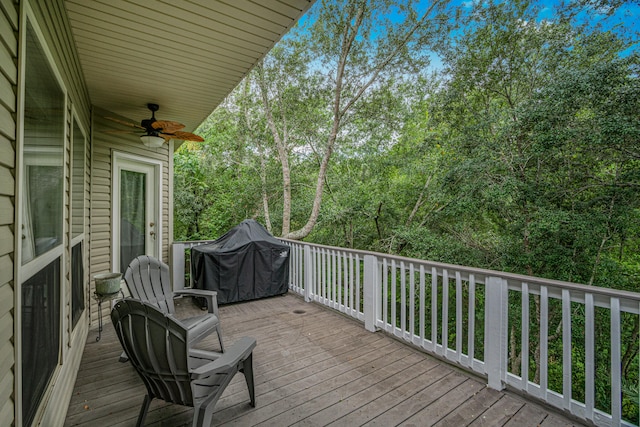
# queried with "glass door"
point(136, 193)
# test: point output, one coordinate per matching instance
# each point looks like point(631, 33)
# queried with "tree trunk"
point(420, 201)
point(283, 153)
point(631, 351)
point(347, 41)
point(514, 357)
point(376, 219)
point(604, 240)
point(265, 198)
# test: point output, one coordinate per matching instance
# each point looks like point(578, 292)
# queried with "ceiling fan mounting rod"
point(146, 123)
point(153, 108)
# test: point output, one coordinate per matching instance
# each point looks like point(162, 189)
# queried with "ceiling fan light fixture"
point(152, 141)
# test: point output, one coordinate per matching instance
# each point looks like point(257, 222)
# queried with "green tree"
point(544, 118)
point(359, 47)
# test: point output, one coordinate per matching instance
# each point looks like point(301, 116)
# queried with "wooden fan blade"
point(167, 126)
point(185, 136)
point(122, 122)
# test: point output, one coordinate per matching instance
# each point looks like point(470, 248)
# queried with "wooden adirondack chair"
point(159, 349)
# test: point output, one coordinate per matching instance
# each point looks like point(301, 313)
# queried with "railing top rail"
point(191, 242)
point(510, 277)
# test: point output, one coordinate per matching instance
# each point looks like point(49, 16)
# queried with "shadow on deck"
point(312, 367)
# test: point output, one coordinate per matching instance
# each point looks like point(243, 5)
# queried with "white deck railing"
point(475, 318)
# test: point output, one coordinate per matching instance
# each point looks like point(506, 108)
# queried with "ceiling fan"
point(159, 131)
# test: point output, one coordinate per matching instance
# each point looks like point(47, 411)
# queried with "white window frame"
point(22, 273)
point(73, 241)
point(75, 120)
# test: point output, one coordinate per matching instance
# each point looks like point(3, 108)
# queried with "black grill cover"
point(244, 264)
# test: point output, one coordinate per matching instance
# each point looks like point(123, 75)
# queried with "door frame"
point(118, 160)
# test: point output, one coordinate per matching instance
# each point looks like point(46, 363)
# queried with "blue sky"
point(626, 18)
point(628, 13)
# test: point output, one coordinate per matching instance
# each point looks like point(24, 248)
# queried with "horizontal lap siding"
point(8, 85)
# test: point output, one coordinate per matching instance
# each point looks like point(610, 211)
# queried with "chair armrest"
point(199, 327)
point(210, 296)
point(238, 352)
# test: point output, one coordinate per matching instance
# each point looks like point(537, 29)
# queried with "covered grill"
point(244, 264)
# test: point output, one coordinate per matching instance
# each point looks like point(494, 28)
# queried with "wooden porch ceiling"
point(186, 56)
point(312, 367)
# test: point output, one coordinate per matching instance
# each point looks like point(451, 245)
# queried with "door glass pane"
point(132, 216)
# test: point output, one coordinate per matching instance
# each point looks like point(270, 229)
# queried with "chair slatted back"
point(148, 279)
point(157, 348)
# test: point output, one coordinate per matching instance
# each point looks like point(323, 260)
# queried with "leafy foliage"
point(520, 154)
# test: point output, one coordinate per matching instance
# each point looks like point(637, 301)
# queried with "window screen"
point(40, 335)
point(77, 283)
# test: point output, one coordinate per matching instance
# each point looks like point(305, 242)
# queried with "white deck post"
point(616, 357)
point(371, 290)
point(177, 266)
point(308, 273)
point(495, 331)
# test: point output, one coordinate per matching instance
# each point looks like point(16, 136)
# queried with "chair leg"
point(219, 330)
point(203, 415)
point(247, 370)
point(143, 410)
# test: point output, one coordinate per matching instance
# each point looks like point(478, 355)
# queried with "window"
point(77, 182)
point(77, 283)
point(43, 177)
point(42, 216)
point(40, 335)
point(77, 223)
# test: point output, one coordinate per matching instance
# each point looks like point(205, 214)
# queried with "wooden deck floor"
point(312, 367)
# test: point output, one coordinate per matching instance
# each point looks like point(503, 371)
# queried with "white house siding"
point(8, 85)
